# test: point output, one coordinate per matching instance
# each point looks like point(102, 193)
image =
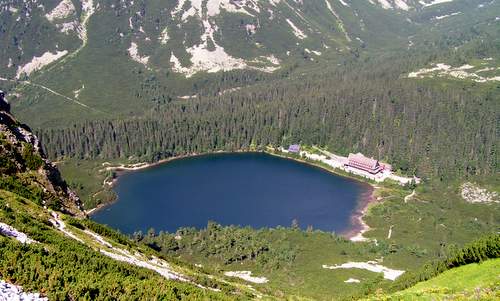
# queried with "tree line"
point(438, 128)
point(223, 244)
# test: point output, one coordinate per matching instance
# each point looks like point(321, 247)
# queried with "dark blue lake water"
point(252, 189)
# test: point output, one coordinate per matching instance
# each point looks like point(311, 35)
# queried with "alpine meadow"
point(249, 149)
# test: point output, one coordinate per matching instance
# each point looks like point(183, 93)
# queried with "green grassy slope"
point(478, 281)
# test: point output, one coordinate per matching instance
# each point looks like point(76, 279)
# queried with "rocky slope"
point(100, 58)
point(192, 36)
point(21, 157)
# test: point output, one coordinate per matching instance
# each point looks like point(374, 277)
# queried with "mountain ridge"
point(159, 41)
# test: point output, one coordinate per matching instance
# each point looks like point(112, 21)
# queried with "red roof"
point(360, 161)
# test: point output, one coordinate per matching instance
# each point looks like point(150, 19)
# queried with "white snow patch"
point(213, 8)
point(99, 239)
point(385, 4)
point(339, 21)
point(443, 70)
point(158, 265)
point(352, 280)
point(433, 2)
point(209, 56)
point(77, 92)
point(39, 62)
point(401, 4)
point(247, 276)
point(63, 10)
point(446, 16)
point(14, 233)
point(133, 52)
point(474, 194)
point(212, 60)
point(164, 37)
point(343, 3)
point(155, 264)
point(371, 266)
point(203, 59)
point(68, 27)
point(61, 226)
point(296, 31)
point(11, 292)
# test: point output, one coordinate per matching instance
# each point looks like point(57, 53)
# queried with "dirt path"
point(53, 92)
point(408, 197)
point(390, 232)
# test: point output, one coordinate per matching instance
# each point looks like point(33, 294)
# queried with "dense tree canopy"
point(429, 129)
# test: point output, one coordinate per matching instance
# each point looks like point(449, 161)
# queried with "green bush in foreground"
point(65, 269)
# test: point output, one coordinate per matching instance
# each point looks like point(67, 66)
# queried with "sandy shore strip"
point(358, 225)
point(89, 212)
point(144, 165)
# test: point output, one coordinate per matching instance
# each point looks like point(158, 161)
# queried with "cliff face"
point(23, 165)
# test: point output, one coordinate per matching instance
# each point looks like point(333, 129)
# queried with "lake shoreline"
point(357, 225)
point(126, 168)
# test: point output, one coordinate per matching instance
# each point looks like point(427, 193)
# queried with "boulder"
point(4, 104)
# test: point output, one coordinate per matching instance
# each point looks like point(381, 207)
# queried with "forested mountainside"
point(111, 59)
point(342, 112)
point(407, 81)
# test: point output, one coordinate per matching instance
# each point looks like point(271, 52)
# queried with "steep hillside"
point(474, 281)
point(106, 59)
point(47, 246)
point(24, 166)
point(477, 280)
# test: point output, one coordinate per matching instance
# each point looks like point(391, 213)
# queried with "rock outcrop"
point(22, 160)
point(4, 104)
